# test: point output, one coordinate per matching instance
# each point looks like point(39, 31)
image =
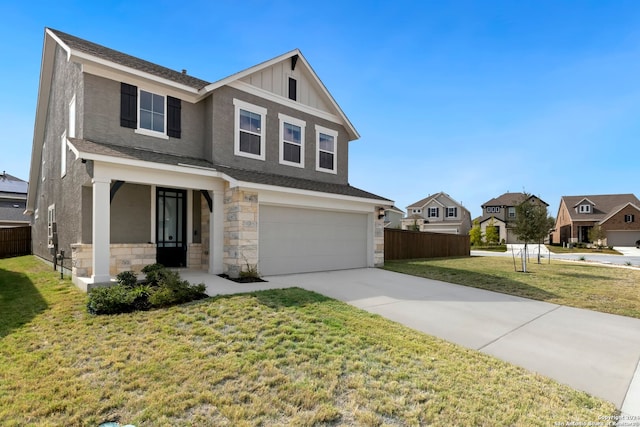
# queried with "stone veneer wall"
point(205, 218)
point(378, 241)
point(240, 230)
point(124, 257)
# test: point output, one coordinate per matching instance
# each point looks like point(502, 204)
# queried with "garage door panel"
point(622, 238)
point(303, 240)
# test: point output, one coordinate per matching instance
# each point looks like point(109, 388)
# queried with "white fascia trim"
point(253, 90)
point(184, 168)
point(297, 191)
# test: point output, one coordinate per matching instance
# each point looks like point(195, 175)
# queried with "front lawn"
point(284, 357)
point(581, 250)
point(600, 288)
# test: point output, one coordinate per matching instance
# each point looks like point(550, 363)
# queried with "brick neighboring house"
point(13, 200)
point(617, 214)
point(503, 211)
point(134, 163)
point(438, 213)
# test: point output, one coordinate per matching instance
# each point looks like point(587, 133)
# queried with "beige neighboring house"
point(502, 210)
point(617, 214)
point(438, 213)
point(393, 217)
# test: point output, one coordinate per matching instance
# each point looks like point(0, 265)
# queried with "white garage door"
point(622, 238)
point(303, 240)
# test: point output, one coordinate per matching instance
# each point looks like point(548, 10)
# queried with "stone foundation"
point(378, 241)
point(124, 257)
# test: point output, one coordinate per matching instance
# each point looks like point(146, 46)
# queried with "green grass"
point(283, 357)
point(600, 288)
point(562, 250)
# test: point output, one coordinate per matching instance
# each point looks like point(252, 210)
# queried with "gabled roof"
point(603, 205)
point(395, 209)
point(617, 209)
point(104, 152)
point(509, 199)
point(423, 202)
point(581, 202)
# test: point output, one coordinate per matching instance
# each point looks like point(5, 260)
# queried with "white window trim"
point(44, 162)
point(236, 138)
point(493, 209)
point(435, 211)
point(334, 134)
point(585, 209)
point(454, 208)
point(51, 219)
point(149, 132)
point(296, 122)
point(511, 212)
point(72, 117)
point(63, 154)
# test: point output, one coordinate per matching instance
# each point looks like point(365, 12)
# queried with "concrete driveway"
point(589, 351)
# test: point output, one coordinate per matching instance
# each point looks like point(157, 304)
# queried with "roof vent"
point(184, 71)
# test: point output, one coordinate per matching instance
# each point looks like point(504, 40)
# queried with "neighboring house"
point(13, 200)
point(502, 210)
point(438, 213)
point(134, 163)
point(393, 217)
point(618, 215)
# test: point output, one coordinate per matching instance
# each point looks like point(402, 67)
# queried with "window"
point(149, 113)
point(293, 89)
point(417, 211)
point(326, 149)
point(72, 118)
point(433, 212)
point(629, 218)
point(51, 225)
point(63, 154)
point(44, 152)
point(493, 209)
point(452, 212)
point(511, 212)
point(250, 133)
point(585, 208)
point(291, 141)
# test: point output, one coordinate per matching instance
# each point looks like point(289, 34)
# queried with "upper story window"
point(150, 113)
point(72, 118)
point(629, 218)
point(585, 208)
point(51, 225)
point(249, 130)
point(452, 212)
point(63, 154)
point(416, 211)
point(511, 212)
point(326, 159)
point(293, 89)
point(493, 209)
point(291, 141)
point(433, 212)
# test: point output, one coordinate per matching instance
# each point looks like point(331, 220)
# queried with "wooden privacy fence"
point(15, 241)
point(405, 244)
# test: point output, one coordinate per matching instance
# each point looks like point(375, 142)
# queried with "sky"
point(472, 98)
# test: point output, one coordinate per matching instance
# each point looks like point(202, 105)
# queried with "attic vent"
point(184, 71)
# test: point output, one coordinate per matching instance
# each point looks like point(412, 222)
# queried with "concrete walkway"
point(589, 351)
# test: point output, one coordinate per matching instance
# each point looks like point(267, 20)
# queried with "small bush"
point(163, 288)
point(127, 279)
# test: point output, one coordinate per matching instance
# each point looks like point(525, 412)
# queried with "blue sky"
point(473, 98)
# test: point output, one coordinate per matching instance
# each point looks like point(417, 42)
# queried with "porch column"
point(101, 229)
point(216, 234)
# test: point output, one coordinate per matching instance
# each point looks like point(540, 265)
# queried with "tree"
point(476, 234)
point(597, 235)
point(532, 223)
point(491, 234)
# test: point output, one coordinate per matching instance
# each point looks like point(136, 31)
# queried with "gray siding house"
point(13, 199)
point(134, 163)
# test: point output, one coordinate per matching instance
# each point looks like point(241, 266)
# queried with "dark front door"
point(171, 227)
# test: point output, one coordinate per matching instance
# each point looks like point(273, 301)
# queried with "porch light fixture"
point(381, 212)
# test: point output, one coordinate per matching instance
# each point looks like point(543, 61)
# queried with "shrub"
point(163, 288)
point(127, 279)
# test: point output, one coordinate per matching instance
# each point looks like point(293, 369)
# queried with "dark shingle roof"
point(11, 184)
point(13, 214)
point(128, 61)
point(509, 199)
point(235, 173)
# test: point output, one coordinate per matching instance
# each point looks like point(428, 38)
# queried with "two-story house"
point(13, 198)
point(500, 212)
point(134, 163)
point(438, 213)
point(618, 215)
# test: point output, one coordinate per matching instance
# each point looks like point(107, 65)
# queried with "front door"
point(171, 227)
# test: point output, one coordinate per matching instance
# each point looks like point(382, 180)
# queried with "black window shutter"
point(128, 106)
point(293, 88)
point(174, 107)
